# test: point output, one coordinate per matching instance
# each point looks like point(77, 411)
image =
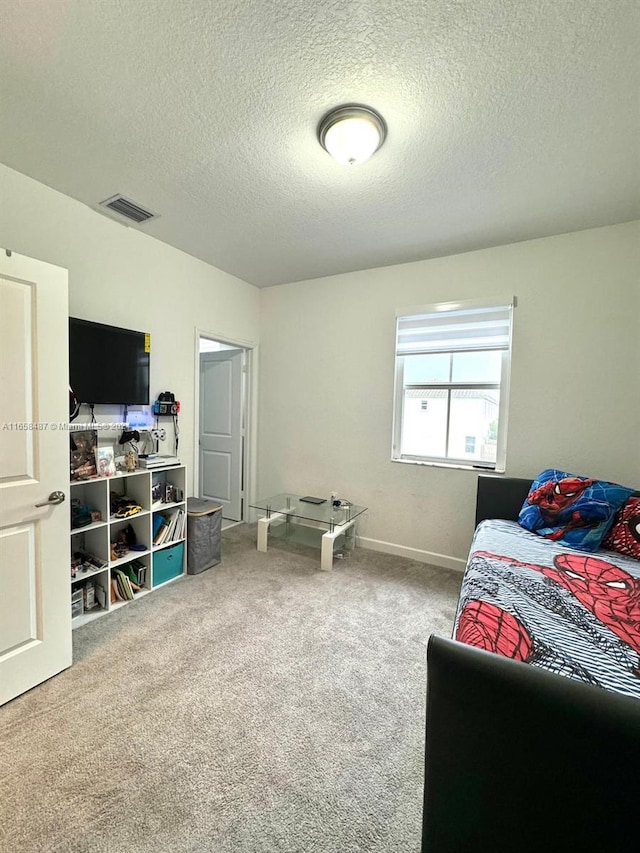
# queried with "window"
point(452, 384)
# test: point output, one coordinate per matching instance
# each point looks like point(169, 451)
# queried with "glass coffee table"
point(288, 517)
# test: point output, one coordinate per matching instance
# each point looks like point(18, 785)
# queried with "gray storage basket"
point(204, 526)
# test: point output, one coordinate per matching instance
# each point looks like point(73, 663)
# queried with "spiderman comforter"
point(574, 613)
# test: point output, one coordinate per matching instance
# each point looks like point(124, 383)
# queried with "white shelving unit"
point(160, 493)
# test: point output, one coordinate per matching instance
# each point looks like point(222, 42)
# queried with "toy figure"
point(82, 455)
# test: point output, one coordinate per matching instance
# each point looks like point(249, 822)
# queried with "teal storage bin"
point(168, 563)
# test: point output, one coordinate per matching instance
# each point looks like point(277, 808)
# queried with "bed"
point(529, 598)
point(533, 711)
point(534, 601)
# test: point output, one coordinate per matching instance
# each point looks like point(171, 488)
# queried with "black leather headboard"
point(500, 497)
point(521, 759)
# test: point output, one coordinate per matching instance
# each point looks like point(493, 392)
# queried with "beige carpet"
point(260, 706)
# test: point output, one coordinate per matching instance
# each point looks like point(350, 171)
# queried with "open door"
point(35, 591)
point(221, 432)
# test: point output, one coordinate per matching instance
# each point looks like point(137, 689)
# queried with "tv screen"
point(108, 364)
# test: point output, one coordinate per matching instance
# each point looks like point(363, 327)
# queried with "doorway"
point(223, 377)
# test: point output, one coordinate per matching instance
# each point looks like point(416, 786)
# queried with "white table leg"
point(263, 529)
point(328, 539)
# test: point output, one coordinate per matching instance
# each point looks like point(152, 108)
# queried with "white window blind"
point(463, 330)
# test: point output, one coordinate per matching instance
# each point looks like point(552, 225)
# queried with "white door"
point(221, 433)
point(35, 593)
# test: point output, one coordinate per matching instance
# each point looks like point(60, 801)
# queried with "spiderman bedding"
point(533, 600)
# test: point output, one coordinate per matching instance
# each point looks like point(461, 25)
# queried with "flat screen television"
point(108, 364)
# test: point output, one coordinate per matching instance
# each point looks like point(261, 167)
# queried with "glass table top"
point(293, 506)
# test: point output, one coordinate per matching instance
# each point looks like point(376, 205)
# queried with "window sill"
point(478, 469)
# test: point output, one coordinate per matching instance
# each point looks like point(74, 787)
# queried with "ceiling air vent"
point(127, 208)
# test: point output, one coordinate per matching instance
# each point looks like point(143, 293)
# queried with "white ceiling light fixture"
point(352, 133)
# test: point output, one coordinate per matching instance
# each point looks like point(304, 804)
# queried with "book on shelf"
point(124, 585)
point(160, 528)
point(177, 531)
point(132, 570)
point(116, 595)
point(162, 536)
point(167, 528)
point(139, 569)
point(173, 526)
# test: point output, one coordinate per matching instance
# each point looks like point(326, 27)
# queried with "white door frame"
point(250, 396)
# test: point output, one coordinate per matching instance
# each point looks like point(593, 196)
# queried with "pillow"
point(572, 510)
point(624, 536)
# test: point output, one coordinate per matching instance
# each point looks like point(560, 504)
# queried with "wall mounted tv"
point(108, 364)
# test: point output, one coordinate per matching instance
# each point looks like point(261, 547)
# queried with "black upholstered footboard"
point(520, 759)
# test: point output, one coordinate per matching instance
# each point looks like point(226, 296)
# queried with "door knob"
point(54, 498)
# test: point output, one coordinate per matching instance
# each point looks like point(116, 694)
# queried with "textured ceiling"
point(507, 121)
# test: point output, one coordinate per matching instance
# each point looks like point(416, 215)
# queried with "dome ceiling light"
point(352, 133)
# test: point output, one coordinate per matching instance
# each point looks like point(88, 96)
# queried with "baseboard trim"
point(441, 560)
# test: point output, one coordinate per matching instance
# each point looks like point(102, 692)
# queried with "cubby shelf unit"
point(163, 563)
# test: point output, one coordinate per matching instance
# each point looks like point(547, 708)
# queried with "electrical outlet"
point(158, 434)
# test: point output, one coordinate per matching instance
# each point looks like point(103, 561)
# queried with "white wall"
point(327, 369)
point(122, 277)
point(326, 366)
